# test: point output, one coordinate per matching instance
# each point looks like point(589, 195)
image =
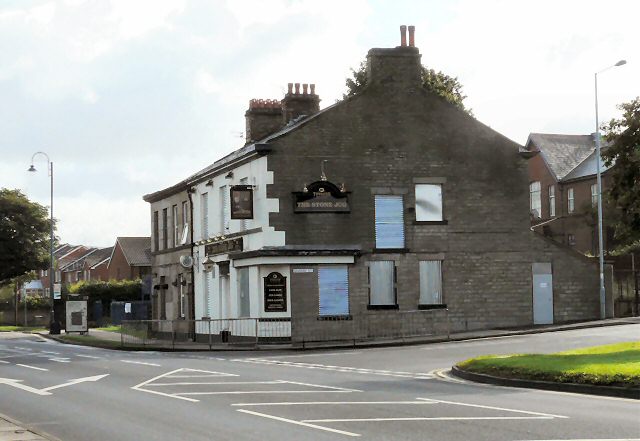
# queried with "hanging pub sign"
point(321, 197)
point(275, 293)
point(242, 202)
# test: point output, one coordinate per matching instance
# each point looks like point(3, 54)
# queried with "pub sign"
point(321, 197)
point(275, 293)
point(242, 202)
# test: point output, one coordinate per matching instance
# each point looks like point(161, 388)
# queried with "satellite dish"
point(186, 261)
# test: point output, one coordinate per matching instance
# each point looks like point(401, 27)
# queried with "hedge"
point(113, 290)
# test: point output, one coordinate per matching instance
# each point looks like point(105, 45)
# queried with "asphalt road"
point(401, 393)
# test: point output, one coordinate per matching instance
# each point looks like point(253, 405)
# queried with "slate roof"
point(73, 264)
point(137, 250)
point(98, 256)
point(567, 156)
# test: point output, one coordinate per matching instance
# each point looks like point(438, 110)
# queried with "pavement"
point(13, 431)
point(77, 393)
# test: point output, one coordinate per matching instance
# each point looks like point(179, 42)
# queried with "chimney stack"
point(296, 104)
point(262, 118)
point(397, 67)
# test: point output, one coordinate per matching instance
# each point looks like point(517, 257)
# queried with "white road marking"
point(218, 383)
point(60, 360)
point(322, 354)
point(50, 352)
point(480, 406)
point(323, 387)
point(140, 362)
point(4, 362)
point(144, 383)
point(17, 384)
point(198, 373)
point(589, 439)
point(356, 420)
point(347, 369)
point(23, 349)
point(297, 403)
point(298, 423)
point(76, 381)
point(32, 367)
point(87, 356)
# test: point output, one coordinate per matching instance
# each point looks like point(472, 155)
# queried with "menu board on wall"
point(275, 293)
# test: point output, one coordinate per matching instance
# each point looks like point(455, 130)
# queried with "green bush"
point(113, 290)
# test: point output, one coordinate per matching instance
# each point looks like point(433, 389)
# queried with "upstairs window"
point(156, 234)
point(224, 209)
point(552, 201)
point(571, 206)
point(389, 218)
point(333, 290)
point(176, 226)
point(382, 284)
point(535, 204)
point(165, 232)
point(428, 202)
point(594, 195)
point(205, 215)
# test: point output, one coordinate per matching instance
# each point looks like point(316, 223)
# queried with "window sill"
point(377, 307)
point(442, 222)
point(334, 317)
point(434, 306)
point(390, 250)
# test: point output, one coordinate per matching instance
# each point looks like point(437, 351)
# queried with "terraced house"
point(385, 214)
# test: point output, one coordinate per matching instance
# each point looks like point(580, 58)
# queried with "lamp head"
point(32, 168)
point(621, 63)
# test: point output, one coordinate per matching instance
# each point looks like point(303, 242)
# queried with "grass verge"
point(609, 365)
point(112, 328)
point(21, 328)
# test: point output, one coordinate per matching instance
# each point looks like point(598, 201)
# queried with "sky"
point(131, 96)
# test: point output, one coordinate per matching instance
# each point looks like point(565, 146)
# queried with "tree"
point(623, 153)
point(24, 235)
point(439, 83)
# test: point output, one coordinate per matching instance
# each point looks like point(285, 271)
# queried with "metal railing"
point(371, 327)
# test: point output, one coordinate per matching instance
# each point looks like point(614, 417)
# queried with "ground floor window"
point(382, 284)
point(431, 282)
point(244, 305)
point(333, 287)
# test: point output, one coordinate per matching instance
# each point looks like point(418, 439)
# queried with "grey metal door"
point(542, 294)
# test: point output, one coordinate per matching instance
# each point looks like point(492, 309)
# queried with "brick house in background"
point(95, 265)
point(71, 272)
point(62, 256)
point(130, 258)
point(350, 219)
point(563, 194)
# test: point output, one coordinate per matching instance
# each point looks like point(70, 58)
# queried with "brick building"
point(130, 258)
point(370, 210)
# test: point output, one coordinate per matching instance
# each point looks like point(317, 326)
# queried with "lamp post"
point(53, 329)
point(599, 184)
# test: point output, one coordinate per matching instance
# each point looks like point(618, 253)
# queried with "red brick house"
point(62, 256)
point(95, 266)
point(130, 258)
point(563, 195)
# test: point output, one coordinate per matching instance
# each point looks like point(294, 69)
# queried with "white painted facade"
point(218, 296)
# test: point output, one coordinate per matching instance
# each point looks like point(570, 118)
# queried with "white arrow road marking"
point(76, 381)
point(17, 384)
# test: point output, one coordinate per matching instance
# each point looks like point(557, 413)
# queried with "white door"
point(542, 294)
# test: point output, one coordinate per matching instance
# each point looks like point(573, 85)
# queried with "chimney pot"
point(403, 35)
point(290, 88)
point(304, 88)
point(297, 88)
point(412, 31)
point(313, 89)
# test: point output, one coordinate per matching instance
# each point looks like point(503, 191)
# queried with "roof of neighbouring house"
point(567, 156)
point(98, 256)
point(137, 250)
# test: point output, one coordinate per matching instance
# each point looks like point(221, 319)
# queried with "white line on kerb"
point(299, 423)
point(32, 367)
point(140, 362)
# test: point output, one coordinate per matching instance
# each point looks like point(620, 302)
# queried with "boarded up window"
point(244, 301)
point(430, 282)
point(382, 283)
point(389, 213)
point(429, 202)
point(333, 287)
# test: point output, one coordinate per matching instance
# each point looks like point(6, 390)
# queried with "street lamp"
point(53, 328)
point(599, 183)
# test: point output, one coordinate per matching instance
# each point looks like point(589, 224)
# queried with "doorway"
point(542, 294)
